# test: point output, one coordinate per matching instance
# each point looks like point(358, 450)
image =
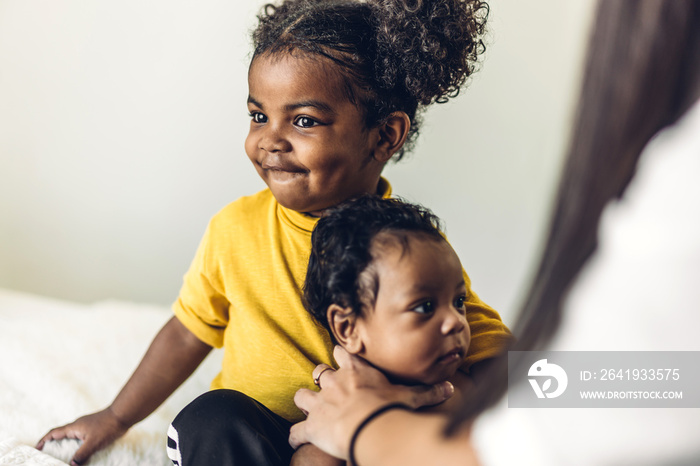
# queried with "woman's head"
point(393, 56)
point(642, 73)
point(385, 283)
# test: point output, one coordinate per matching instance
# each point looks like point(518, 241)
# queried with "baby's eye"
point(306, 122)
point(258, 117)
point(459, 303)
point(426, 307)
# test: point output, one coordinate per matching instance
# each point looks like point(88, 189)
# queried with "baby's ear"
point(342, 321)
point(392, 136)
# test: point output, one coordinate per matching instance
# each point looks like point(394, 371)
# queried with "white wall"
point(122, 128)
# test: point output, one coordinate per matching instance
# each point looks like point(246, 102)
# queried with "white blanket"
point(61, 360)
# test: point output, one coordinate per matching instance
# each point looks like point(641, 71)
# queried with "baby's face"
point(417, 331)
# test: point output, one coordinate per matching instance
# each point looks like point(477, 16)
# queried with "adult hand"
point(347, 397)
point(96, 431)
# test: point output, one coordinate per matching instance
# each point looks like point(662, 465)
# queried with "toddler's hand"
point(96, 431)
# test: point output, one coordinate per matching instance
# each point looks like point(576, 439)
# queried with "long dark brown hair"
point(642, 72)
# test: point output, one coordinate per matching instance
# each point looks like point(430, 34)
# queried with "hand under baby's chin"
point(462, 384)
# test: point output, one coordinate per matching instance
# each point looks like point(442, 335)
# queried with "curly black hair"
point(395, 55)
point(341, 250)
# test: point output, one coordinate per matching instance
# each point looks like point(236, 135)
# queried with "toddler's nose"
point(274, 140)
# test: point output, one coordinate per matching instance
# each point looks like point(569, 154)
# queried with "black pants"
point(226, 427)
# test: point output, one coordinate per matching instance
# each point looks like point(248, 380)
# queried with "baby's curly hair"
point(395, 55)
point(341, 250)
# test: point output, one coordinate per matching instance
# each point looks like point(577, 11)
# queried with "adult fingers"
point(297, 435)
point(345, 359)
point(420, 396)
point(415, 396)
point(304, 398)
point(318, 371)
point(357, 367)
point(323, 437)
point(357, 370)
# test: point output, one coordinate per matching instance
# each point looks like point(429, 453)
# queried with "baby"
point(389, 288)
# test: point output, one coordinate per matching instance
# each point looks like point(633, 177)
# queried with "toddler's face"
point(307, 141)
point(417, 330)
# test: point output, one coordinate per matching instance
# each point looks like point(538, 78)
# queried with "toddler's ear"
point(392, 136)
point(342, 321)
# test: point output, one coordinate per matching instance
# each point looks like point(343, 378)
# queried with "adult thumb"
point(420, 396)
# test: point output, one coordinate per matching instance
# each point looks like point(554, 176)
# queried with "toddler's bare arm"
point(172, 357)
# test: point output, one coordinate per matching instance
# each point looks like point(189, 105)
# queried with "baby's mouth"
point(456, 354)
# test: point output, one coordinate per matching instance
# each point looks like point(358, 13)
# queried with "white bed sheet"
point(60, 360)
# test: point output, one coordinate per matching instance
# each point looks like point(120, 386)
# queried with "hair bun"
point(428, 47)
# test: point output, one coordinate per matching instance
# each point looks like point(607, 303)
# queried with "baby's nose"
point(454, 322)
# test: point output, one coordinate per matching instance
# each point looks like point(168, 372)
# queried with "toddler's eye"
point(305, 122)
point(258, 117)
point(424, 308)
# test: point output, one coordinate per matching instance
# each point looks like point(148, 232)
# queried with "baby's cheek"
point(467, 336)
point(423, 364)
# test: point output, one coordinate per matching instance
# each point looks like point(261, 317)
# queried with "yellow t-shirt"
point(243, 292)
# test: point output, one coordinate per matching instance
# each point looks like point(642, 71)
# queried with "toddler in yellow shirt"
point(335, 91)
